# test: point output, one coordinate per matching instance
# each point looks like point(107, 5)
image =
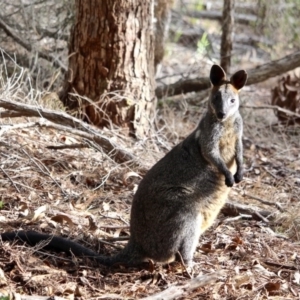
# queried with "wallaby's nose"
point(220, 115)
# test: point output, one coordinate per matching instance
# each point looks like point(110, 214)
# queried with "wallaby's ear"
point(238, 79)
point(217, 75)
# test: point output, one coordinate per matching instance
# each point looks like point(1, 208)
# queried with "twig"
point(183, 264)
point(65, 122)
point(279, 265)
point(117, 239)
point(270, 173)
point(233, 209)
point(73, 146)
point(47, 172)
point(270, 231)
point(29, 47)
point(237, 218)
point(182, 290)
point(12, 182)
point(5, 128)
point(110, 244)
point(275, 107)
point(261, 217)
point(275, 204)
point(34, 297)
point(115, 218)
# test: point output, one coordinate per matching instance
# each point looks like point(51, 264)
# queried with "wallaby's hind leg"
point(190, 240)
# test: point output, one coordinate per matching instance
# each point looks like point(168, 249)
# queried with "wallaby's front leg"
point(214, 157)
point(238, 176)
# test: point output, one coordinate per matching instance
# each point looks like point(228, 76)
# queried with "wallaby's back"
point(181, 195)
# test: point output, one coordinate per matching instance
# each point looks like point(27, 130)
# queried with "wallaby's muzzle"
point(221, 115)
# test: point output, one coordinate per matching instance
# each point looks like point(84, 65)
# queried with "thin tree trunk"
point(227, 34)
point(111, 63)
point(162, 12)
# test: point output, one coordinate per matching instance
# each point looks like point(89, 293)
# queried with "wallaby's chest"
point(227, 144)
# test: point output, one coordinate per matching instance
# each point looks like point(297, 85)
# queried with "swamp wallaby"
point(182, 194)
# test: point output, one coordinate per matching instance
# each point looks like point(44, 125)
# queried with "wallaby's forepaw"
point(238, 176)
point(229, 180)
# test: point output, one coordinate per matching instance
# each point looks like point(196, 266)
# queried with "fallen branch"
point(274, 107)
point(233, 209)
point(277, 205)
point(33, 297)
point(183, 87)
point(12, 182)
point(255, 75)
point(217, 15)
point(182, 290)
point(63, 121)
point(190, 38)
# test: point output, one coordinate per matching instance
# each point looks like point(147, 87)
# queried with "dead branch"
point(275, 204)
point(11, 114)
point(34, 297)
point(29, 48)
point(73, 146)
point(12, 182)
point(52, 34)
point(255, 75)
point(183, 87)
point(217, 15)
point(227, 34)
point(63, 121)
point(182, 290)
point(234, 209)
point(111, 149)
point(280, 265)
point(44, 170)
point(274, 107)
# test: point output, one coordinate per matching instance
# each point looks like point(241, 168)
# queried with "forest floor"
point(79, 192)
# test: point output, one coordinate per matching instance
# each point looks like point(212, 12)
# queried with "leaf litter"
point(82, 194)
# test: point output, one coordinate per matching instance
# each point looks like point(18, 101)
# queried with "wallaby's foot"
point(238, 176)
point(229, 180)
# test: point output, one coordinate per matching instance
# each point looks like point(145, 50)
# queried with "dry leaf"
point(39, 213)
point(105, 206)
point(259, 268)
point(60, 218)
point(92, 224)
point(272, 287)
point(3, 280)
point(241, 280)
point(23, 208)
point(128, 175)
point(297, 277)
point(237, 240)
point(207, 248)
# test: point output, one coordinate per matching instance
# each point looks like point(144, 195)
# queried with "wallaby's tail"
point(56, 243)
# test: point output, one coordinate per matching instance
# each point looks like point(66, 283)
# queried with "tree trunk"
point(111, 64)
point(227, 34)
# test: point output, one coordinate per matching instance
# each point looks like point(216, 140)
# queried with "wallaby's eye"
point(232, 100)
